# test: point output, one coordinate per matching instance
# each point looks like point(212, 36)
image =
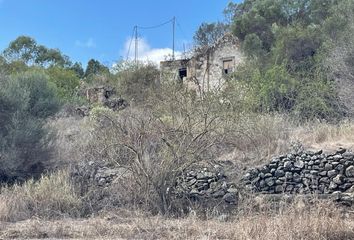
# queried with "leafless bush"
point(152, 149)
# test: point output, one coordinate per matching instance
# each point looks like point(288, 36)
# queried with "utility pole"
point(173, 47)
point(136, 45)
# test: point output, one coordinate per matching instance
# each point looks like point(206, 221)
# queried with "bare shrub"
point(154, 151)
point(71, 134)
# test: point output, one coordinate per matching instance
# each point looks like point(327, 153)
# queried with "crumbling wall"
point(205, 68)
point(304, 172)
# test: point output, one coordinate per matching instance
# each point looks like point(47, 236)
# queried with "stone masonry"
point(304, 172)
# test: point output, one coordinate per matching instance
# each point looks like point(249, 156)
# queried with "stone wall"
point(304, 172)
point(206, 184)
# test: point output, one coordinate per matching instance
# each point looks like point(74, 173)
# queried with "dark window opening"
point(228, 66)
point(182, 73)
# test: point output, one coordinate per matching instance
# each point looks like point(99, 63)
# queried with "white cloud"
point(89, 43)
point(146, 52)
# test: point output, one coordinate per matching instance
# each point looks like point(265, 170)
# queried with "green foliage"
point(25, 101)
point(94, 67)
point(26, 50)
point(286, 43)
point(136, 82)
point(317, 100)
point(23, 48)
point(65, 80)
point(208, 33)
point(77, 68)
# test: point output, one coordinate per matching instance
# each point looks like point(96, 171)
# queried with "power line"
point(157, 26)
point(180, 28)
point(135, 32)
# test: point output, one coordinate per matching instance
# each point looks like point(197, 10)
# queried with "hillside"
point(248, 136)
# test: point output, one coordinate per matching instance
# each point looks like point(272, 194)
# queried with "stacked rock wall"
point(204, 183)
point(305, 172)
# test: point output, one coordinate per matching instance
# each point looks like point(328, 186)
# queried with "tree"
point(77, 68)
point(47, 57)
point(94, 67)
point(209, 33)
point(24, 48)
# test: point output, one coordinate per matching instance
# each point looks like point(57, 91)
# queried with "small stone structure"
point(103, 95)
point(99, 94)
point(304, 172)
point(204, 184)
point(208, 68)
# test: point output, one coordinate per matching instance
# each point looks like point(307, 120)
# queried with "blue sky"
point(101, 29)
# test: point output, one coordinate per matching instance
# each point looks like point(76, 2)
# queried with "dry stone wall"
point(206, 183)
point(304, 172)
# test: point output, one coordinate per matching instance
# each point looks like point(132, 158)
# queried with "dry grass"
point(49, 197)
point(326, 136)
point(322, 221)
point(43, 209)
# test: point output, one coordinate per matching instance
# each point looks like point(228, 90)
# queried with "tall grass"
point(49, 197)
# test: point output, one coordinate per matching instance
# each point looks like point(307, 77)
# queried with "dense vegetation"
point(289, 45)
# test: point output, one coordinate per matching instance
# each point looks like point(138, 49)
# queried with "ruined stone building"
point(208, 68)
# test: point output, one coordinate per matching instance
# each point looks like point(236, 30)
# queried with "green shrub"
point(137, 82)
point(26, 100)
point(65, 80)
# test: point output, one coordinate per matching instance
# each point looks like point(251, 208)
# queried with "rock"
point(218, 194)
point(194, 192)
point(230, 198)
point(279, 189)
point(338, 179)
point(288, 175)
point(269, 181)
point(232, 190)
point(279, 182)
point(268, 175)
point(279, 173)
point(324, 180)
point(350, 190)
point(262, 184)
point(339, 167)
point(331, 173)
point(333, 186)
point(192, 182)
point(299, 164)
point(287, 165)
point(349, 172)
point(348, 155)
point(341, 151)
point(297, 178)
point(346, 186)
point(328, 167)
